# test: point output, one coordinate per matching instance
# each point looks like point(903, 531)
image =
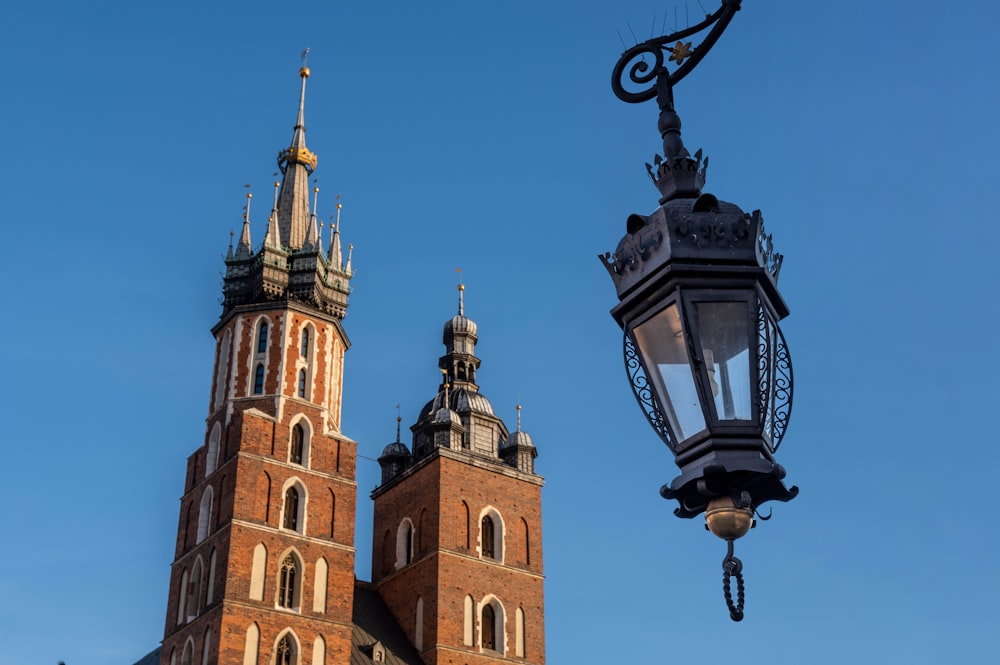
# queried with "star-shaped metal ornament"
point(680, 51)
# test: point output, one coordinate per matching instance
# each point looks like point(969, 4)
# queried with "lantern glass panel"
point(724, 333)
point(664, 353)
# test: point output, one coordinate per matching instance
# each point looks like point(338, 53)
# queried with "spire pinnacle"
point(399, 419)
point(243, 249)
point(334, 256)
point(350, 253)
point(229, 254)
point(296, 163)
point(461, 290)
point(313, 240)
point(518, 417)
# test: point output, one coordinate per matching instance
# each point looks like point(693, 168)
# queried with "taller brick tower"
point(456, 553)
point(264, 563)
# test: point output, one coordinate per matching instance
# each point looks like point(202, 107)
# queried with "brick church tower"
point(263, 570)
point(457, 553)
point(264, 562)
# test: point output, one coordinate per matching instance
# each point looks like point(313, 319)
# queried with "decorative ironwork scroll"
point(774, 370)
point(633, 70)
point(644, 392)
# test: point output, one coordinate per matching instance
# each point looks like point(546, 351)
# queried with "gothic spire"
point(335, 257)
point(296, 162)
point(244, 248)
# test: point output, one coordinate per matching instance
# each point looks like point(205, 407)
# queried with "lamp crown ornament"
point(697, 283)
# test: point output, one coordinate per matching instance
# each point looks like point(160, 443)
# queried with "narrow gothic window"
point(292, 509)
point(302, 383)
point(262, 338)
point(489, 548)
point(286, 590)
point(408, 556)
point(305, 343)
point(258, 379)
point(285, 651)
point(296, 452)
point(489, 628)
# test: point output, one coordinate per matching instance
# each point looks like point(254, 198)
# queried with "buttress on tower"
point(264, 560)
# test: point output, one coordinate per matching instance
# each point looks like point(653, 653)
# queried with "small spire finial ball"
point(304, 72)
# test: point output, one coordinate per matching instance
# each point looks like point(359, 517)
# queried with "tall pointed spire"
point(297, 163)
point(273, 237)
point(312, 240)
point(244, 248)
point(334, 256)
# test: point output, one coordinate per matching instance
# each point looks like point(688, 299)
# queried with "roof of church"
point(151, 658)
point(375, 624)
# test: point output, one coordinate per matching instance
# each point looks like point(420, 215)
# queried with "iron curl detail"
point(774, 372)
point(642, 73)
point(644, 393)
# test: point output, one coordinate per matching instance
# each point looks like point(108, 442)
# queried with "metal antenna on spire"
point(519, 417)
point(461, 289)
point(276, 186)
point(399, 419)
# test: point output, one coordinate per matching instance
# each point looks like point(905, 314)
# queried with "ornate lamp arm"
point(657, 76)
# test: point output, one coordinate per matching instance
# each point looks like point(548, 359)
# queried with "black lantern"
point(699, 307)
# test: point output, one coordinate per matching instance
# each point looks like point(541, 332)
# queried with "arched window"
point(288, 583)
point(489, 627)
point(194, 590)
point(204, 515)
point(286, 653)
point(304, 347)
point(491, 535)
point(418, 628)
point(487, 535)
point(205, 646)
point(463, 532)
point(527, 542)
point(302, 383)
point(295, 454)
point(257, 572)
point(187, 658)
point(182, 598)
point(319, 585)
point(291, 519)
point(262, 337)
point(212, 454)
point(492, 625)
point(210, 593)
point(222, 371)
point(404, 543)
point(258, 379)
point(251, 645)
point(519, 633)
point(467, 628)
point(319, 651)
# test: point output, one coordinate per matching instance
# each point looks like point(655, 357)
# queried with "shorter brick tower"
point(456, 551)
point(264, 562)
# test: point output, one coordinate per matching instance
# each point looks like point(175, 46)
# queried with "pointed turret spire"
point(313, 241)
point(297, 163)
point(273, 237)
point(229, 253)
point(244, 248)
point(347, 266)
point(334, 256)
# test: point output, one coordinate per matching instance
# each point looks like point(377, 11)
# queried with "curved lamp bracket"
point(632, 67)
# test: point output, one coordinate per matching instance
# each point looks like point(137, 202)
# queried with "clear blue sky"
point(486, 137)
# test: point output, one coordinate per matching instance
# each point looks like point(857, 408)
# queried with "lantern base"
point(694, 491)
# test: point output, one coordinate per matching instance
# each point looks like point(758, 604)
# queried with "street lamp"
point(699, 307)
